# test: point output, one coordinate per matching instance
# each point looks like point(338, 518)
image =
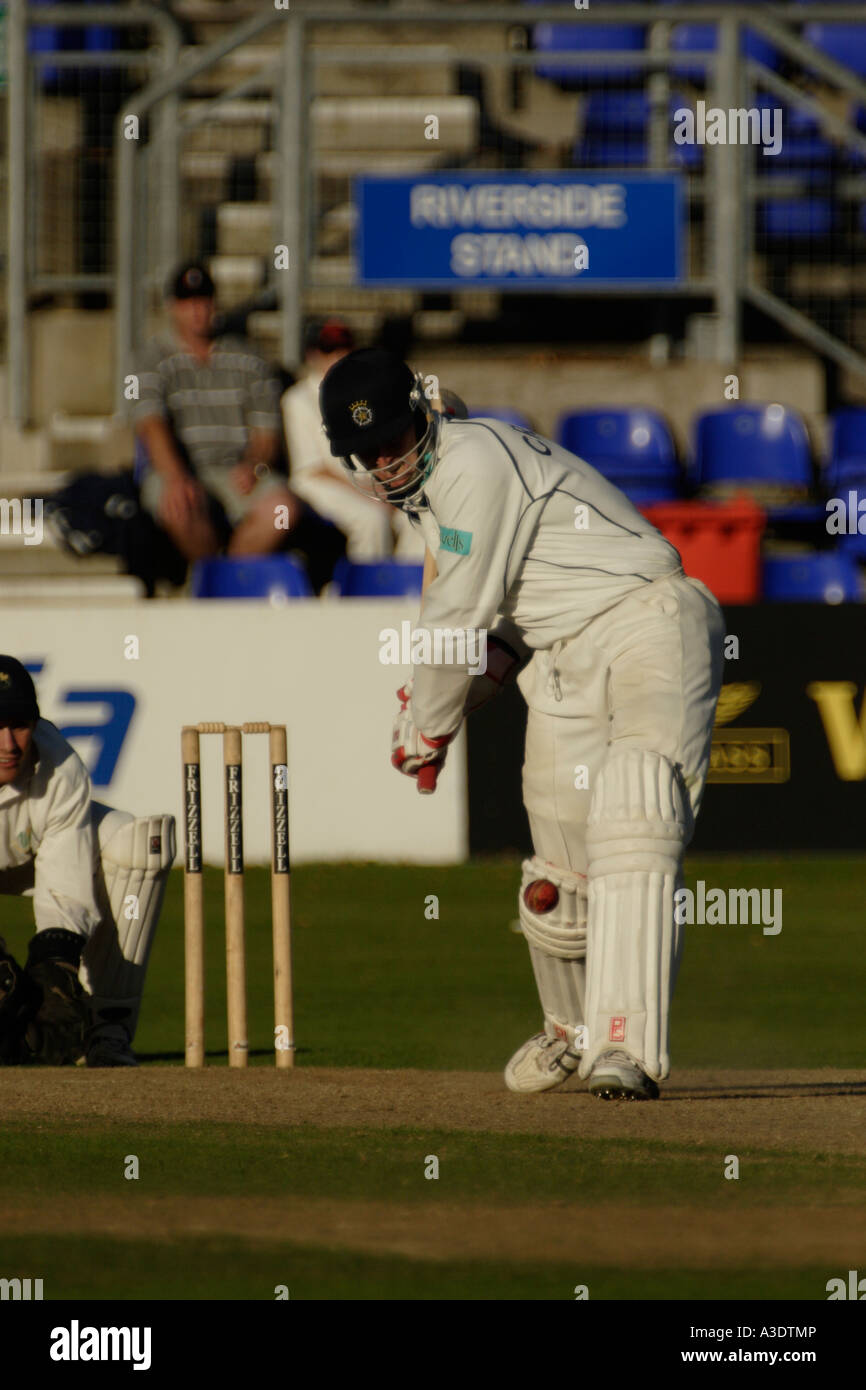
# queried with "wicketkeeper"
point(619, 658)
point(97, 878)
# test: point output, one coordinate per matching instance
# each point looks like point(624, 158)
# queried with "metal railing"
point(21, 282)
point(727, 190)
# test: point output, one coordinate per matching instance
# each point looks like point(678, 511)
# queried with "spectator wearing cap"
point(208, 419)
point(316, 476)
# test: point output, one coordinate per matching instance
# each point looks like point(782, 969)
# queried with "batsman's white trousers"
point(646, 674)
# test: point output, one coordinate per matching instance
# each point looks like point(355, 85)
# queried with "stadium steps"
point(394, 124)
point(23, 565)
point(237, 278)
point(241, 277)
point(46, 573)
point(435, 62)
point(372, 125)
point(206, 172)
point(247, 229)
point(239, 127)
point(75, 590)
point(88, 442)
point(264, 327)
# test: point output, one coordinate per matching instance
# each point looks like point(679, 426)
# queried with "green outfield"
point(316, 1180)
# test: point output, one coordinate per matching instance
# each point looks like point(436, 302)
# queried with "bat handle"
point(427, 777)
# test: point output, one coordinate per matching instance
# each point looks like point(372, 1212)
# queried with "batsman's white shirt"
point(522, 529)
point(46, 821)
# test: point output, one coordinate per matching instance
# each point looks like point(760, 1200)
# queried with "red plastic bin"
point(719, 543)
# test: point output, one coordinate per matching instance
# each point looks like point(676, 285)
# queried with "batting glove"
point(412, 753)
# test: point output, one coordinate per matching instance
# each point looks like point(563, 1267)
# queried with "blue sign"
point(519, 230)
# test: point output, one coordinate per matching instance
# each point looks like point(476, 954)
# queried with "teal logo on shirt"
point(458, 542)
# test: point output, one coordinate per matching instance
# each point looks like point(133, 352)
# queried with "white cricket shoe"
point(109, 1046)
point(541, 1064)
point(617, 1076)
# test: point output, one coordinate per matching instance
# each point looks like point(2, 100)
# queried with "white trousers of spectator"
point(410, 544)
point(365, 523)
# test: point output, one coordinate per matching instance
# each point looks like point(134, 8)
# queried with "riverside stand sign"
point(519, 230)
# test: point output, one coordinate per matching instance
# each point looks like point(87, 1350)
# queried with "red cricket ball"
point(541, 895)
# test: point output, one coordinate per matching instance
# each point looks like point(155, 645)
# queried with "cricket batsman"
point(97, 878)
point(619, 658)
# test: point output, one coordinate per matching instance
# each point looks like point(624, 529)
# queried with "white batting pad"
point(135, 859)
point(638, 825)
point(557, 947)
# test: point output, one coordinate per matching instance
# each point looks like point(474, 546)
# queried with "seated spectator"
point(316, 475)
point(208, 418)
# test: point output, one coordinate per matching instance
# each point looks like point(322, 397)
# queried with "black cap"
point(190, 281)
point(328, 335)
point(364, 400)
point(17, 693)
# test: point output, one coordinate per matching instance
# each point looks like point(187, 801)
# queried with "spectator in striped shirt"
point(208, 417)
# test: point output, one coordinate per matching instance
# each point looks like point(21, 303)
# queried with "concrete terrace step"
point(236, 278)
point(28, 484)
point(19, 560)
point(237, 127)
point(206, 171)
point(393, 124)
point(348, 301)
point(264, 325)
point(430, 66)
point(245, 229)
point(74, 590)
point(371, 124)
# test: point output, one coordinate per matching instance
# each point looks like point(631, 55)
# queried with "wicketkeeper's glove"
point(412, 753)
point(20, 999)
point(56, 1034)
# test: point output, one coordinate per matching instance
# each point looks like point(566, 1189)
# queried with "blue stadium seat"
point(752, 445)
point(65, 38)
point(502, 413)
point(377, 579)
point(47, 39)
point(796, 219)
point(598, 38)
point(826, 576)
point(615, 132)
point(803, 141)
point(853, 158)
point(847, 456)
point(99, 38)
point(631, 446)
point(274, 577)
point(702, 38)
point(855, 545)
point(844, 42)
point(846, 475)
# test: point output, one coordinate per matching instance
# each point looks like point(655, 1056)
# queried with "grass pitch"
point(414, 971)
